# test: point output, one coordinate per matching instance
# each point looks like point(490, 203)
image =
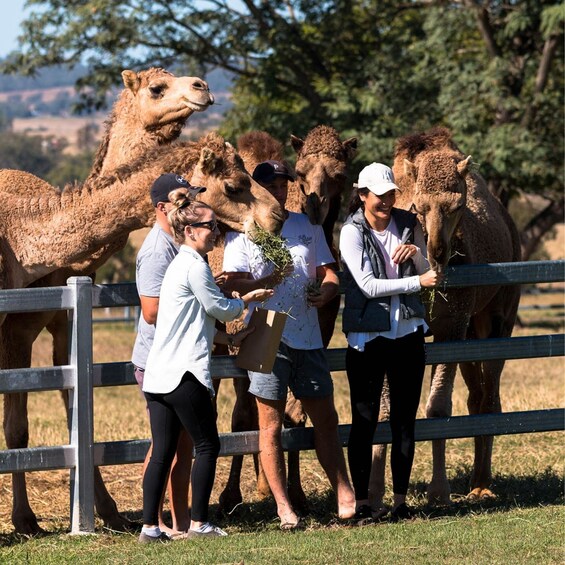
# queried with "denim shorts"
point(305, 371)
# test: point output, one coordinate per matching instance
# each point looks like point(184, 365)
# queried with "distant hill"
point(42, 105)
point(51, 94)
point(46, 78)
point(59, 76)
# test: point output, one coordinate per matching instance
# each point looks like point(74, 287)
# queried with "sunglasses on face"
point(211, 225)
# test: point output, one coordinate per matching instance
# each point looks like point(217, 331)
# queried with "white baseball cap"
point(378, 178)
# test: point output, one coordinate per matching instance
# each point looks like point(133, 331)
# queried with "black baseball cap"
point(267, 171)
point(167, 183)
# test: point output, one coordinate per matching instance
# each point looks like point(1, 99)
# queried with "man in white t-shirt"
point(301, 363)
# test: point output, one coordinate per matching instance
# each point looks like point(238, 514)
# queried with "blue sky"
point(12, 16)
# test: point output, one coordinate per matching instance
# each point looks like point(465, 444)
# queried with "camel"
point(321, 170)
point(149, 112)
point(464, 224)
point(112, 206)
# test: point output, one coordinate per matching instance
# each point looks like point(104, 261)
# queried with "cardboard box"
point(259, 349)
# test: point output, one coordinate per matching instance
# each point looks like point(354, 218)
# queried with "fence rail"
point(79, 297)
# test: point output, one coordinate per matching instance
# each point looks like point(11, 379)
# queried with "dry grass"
point(119, 414)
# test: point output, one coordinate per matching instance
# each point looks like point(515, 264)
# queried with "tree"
point(490, 70)
point(34, 154)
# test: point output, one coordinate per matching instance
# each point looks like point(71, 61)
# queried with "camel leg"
point(17, 437)
point(482, 380)
point(295, 417)
point(17, 335)
point(244, 418)
point(440, 406)
point(377, 477)
point(103, 501)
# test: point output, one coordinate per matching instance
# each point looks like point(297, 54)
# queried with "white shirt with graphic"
point(309, 250)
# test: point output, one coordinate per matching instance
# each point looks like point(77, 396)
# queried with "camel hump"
point(262, 145)
point(434, 139)
point(324, 139)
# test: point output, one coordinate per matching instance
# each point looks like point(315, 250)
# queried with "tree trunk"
point(539, 225)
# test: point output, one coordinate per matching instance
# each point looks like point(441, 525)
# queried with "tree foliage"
point(490, 70)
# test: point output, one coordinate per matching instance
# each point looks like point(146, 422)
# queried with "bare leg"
point(329, 451)
point(179, 481)
point(272, 457)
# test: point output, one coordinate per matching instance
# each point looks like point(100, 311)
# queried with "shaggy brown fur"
point(465, 224)
point(53, 226)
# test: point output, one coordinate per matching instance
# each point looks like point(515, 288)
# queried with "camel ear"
point(410, 170)
point(463, 166)
point(296, 143)
point(350, 146)
point(131, 80)
point(208, 161)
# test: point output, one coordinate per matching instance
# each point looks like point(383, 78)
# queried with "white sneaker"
point(208, 529)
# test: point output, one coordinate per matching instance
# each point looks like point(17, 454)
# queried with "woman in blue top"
point(177, 381)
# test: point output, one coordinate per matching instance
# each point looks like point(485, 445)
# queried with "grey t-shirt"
point(153, 258)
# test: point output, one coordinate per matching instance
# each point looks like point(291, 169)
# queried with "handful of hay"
point(273, 248)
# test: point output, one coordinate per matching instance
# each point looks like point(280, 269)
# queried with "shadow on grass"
point(543, 489)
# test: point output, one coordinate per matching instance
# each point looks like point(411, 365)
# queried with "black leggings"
point(403, 362)
point(189, 405)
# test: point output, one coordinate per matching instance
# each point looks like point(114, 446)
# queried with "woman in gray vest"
point(385, 266)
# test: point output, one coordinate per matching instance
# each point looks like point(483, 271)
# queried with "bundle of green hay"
point(273, 248)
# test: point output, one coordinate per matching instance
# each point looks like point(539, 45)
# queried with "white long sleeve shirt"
point(190, 303)
point(359, 265)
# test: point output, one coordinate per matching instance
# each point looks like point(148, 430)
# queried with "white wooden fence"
point(80, 296)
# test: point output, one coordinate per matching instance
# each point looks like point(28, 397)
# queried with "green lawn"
point(532, 535)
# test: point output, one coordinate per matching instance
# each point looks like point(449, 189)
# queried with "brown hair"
point(185, 211)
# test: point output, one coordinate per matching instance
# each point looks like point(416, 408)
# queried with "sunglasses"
point(211, 225)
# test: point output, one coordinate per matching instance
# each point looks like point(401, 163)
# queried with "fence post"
point(81, 406)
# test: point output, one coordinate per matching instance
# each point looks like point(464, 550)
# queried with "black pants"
point(190, 406)
point(403, 362)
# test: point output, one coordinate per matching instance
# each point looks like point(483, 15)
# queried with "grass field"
point(524, 524)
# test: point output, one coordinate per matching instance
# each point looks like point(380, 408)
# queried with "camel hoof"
point(229, 502)
point(27, 526)
point(439, 495)
point(119, 523)
point(481, 494)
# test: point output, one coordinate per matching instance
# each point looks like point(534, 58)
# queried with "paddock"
point(82, 375)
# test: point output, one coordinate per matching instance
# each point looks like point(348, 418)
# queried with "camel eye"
point(156, 90)
point(232, 189)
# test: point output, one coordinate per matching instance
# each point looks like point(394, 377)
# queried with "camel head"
point(238, 201)
point(162, 98)
point(321, 169)
point(150, 111)
point(439, 199)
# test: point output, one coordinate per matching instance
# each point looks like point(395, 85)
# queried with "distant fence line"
point(80, 296)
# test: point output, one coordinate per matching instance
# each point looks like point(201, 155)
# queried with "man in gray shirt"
point(153, 258)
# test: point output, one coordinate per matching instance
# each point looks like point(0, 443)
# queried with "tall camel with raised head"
point(43, 234)
point(321, 166)
point(150, 111)
point(464, 224)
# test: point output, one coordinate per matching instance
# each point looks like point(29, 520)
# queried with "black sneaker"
point(402, 512)
point(363, 515)
point(162, 538)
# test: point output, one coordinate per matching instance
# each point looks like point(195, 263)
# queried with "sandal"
point(292, 526)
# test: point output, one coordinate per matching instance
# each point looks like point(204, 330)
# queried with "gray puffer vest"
point(362, 314)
